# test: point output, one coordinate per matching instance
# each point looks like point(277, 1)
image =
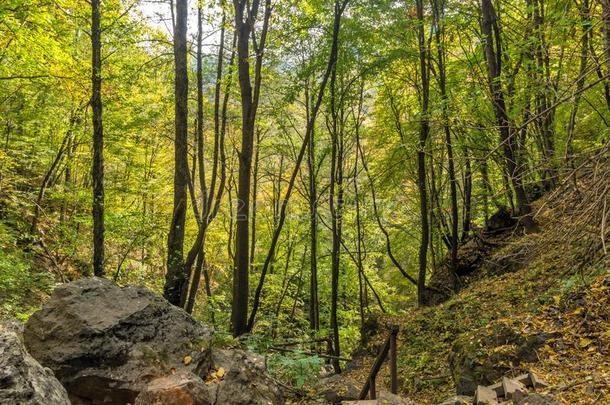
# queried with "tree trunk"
point(314, 310)
point(245, 16)
point(98, 141)
point(580, 80)
point(421, 156)
point(175, 277)
point(491, 31)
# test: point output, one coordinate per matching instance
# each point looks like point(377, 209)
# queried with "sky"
point(157, 14)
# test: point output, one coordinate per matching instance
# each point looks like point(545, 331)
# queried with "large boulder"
point(23, 381)
point(106, 343)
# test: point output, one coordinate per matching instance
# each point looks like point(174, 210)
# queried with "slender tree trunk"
point(439, 13)
point(359, 234)
point(339, 8)
point(98, 141)
point(606, 30)
point(421, 156)
point(239, 313)
point(314, 310)
point(580, 80)
point(335, 213)
point(491, 31)
point(254, 197)
point(245, 16)
point(65, 145)
point(197, 156)
point(467, 196)
point(176, 277)
point(211, 203)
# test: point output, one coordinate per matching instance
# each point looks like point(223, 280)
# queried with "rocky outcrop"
point(124, 345)
point(23, 381)
point(104, 342)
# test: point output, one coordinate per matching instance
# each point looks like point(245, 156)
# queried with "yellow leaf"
point(187, 360)
point(220, 372)
point(578, 311)
point(584, 342)
point(557, 299)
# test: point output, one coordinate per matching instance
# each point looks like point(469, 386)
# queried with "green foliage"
point(22, 288)
point(299, 369)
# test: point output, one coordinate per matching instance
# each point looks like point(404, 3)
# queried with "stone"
point(23, 381)
point(175, 389)
point(338, 388)
point(244, 380)
point(105, 343)
point(485, 396)
point(513, 388)
point(537, 399)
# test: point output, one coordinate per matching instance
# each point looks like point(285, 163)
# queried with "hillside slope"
point(537, 302)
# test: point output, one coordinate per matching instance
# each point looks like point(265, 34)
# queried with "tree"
point(245, 19)
point(424, 130)
point(175, 277)
point(98, 141)
point(493, 56)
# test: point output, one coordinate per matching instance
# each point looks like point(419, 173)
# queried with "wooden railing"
point(388, 347)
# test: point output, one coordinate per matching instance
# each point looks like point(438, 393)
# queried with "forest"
point(306, 173)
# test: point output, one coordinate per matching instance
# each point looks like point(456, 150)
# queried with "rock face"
point(23, 381)
point(105, 343)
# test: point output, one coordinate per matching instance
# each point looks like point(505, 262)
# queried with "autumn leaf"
point(584, 342)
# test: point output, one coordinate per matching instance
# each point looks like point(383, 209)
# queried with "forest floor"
point(549, 289)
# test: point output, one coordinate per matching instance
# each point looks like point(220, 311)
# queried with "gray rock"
point(537, 399)
point(176, 389)
point(23, 381)
point(244, 381)
point(106, 343)
point(338, 388)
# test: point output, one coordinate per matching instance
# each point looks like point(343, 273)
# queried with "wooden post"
point(383, 354)
point(393, 366)
point(372, 388)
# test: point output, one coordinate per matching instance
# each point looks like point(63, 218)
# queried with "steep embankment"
point(536, 302)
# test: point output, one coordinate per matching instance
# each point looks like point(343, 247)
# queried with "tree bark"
point(245, 15)
point(175, 277)
point(314, 309)
point(421, 156)
point(580, 80)
point(491, 32)
point(439, 13)
point(98, 141)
